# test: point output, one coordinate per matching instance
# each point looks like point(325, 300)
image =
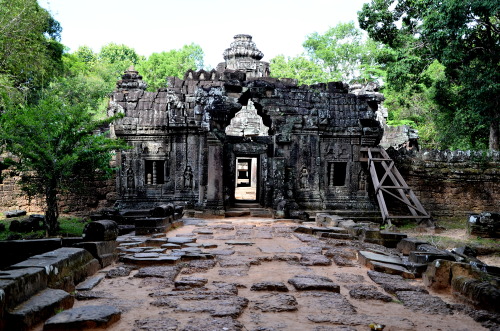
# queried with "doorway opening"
point(246, 179)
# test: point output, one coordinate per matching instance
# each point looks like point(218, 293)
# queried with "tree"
point(30, 52)
point(464, 36)
point(175, 62)
point(56, 148)
point(301, 68)
point(342, 53)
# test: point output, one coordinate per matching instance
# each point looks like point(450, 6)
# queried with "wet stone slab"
point(276, 303)
point(315, 260)
point(198, 266)
point(225, 323)
point(423, 302)
point(233, 272)
point(181, 240)
point(81, 318)
point(269, 286)
point(118, 272)
point(91, 295)
point(168, 272)
point(313, 283)
point(186, 283)
point(306, 250)
point(156, 324)
point(271, 249)
point(215, 304)
point(349, 278)
point(335, 303)
point(393, 283)
point(367, 292)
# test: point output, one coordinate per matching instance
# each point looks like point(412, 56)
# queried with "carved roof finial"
point(243, 46)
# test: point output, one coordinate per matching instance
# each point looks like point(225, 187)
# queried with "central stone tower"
point(244, 56)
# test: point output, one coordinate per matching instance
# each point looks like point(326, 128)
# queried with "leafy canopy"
point(463, 36)
point(175, 62)
point(342, 53)
point(56, 148)
point(30, 52)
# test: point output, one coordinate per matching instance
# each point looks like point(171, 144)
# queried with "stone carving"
point(362, 181)
point(247, 123)
point(188, 177)
point(304, 178)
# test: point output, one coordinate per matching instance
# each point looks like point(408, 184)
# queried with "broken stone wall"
point(95, 196)
point(452, 183)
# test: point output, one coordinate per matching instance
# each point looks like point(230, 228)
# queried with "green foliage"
point(345, 54)
point(175, 62)
point(68, 227)
point(55, 148)
point(464, 38)
point(340, 54)
point(30, 52)
point(300, 68)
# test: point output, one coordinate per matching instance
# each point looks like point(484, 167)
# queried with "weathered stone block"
point(406, 245)
point(38, 308)
point(438, 275)
point(478, 293)
point(84, 318)
point(101, 230)
point(65, 266)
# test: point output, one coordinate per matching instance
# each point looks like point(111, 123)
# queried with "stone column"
point(215, 182)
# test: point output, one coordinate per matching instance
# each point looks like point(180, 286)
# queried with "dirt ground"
point(276, 254)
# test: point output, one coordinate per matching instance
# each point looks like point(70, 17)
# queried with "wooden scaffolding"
point(388, 181)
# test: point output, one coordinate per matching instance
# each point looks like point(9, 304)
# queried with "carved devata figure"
point(304, 178)
point(188, 177)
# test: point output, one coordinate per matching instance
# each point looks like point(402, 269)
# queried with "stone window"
point(337, 173)
point(154, 172)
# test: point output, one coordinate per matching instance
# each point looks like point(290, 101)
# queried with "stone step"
point(40, 307)
point(246, 205)
point(83, 318)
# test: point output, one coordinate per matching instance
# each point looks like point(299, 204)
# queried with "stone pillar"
point(215, 182)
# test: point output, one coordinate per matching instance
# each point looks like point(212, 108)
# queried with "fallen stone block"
point(38, 308)
point(158, 260)
point(364, 257)
point(14, 213)
point(101, 230)
point(391, 269)
point(407, 245)
point(82, 318)
point(103, 251)
point(438, 275)
point(393, 283)
point(480, 294)
point(335, 235)
point(90, 283)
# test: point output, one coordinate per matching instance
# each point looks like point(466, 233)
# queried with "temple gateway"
point(235, 135)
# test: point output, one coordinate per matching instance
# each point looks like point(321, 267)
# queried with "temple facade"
point(234, 134)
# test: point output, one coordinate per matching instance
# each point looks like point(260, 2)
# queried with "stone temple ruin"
point(234, 134)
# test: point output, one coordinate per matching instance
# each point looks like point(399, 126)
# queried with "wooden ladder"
point(391, 183)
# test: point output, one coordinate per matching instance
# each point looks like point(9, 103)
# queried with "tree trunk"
point(52, 211)
point(494, 134)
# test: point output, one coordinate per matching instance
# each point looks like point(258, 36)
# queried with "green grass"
point(69, 227)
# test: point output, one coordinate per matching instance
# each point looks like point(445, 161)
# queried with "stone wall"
point(452, 183)
point(95, 196)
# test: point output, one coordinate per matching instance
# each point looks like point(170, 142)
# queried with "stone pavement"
point(258, 274)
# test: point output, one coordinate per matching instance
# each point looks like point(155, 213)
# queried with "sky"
point(153, 26)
